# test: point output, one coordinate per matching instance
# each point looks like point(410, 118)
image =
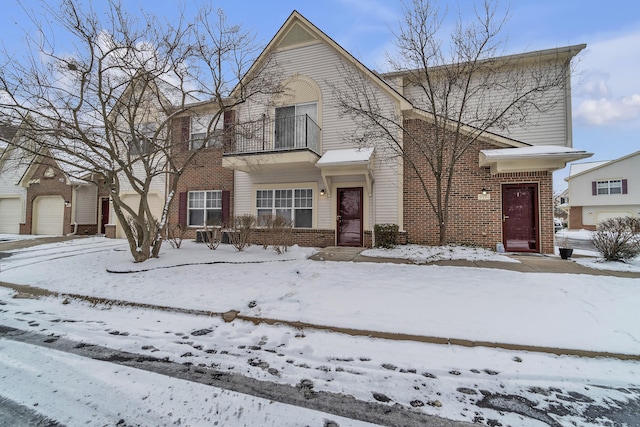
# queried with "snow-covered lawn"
point(594, 313)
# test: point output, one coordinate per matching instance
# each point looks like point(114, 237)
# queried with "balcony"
point(289, 141)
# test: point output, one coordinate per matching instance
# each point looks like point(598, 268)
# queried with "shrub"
point(241, 231)
point(212, 237)
point(618, 239)
point(175, 234)
point(278, 233)
point(386, 235)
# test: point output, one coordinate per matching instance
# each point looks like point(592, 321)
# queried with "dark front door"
point(520, 217)
point(349, 217)
point(104, 213)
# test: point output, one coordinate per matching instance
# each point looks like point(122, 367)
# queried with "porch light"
point(67, 203)
point(322, 192)
point(484, 190)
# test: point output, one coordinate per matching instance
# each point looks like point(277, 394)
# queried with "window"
point(142, 144)
point(200, 125)
point(609, 187)
point(204, 208)
point(293, 204)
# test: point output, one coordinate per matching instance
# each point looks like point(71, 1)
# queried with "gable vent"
point(297, 35)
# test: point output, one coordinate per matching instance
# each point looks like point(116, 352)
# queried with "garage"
point(10, 213)
point(48, 215)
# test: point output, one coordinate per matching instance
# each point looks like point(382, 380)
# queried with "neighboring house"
point(602, 190)
point(13, 164)
point(38, 196)
point(561, 203)
point(291, 156)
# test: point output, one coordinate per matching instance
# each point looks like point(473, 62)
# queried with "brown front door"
point(520, 217)
point(349, 217)
point(104, 213)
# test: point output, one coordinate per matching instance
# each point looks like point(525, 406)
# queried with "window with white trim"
point(294, 204)
point(204, 208)
point(199, 130)
point(613, 186)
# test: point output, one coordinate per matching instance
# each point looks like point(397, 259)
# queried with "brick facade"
point(52, 185)
point(575, 219)
point(205, 172)
point(55, 184)
point(470, 221)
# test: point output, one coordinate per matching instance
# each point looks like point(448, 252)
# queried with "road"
point(301, 395)
point(576, 244)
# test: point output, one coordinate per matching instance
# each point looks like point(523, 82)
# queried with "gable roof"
point(298, 30)
point(583, 168)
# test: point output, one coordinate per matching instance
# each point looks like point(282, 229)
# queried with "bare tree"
point(459, 91)
point(106, 107)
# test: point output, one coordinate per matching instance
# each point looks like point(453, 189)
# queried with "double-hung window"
point(202, 132)
point(295, 205)
point(204, 208)
point(609, 187)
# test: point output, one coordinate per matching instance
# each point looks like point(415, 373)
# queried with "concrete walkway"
point(528, 263)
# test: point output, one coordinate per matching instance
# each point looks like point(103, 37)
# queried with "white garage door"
point(48, 215)
point(10, 210)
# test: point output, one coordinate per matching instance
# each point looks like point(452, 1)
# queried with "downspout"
point(73, 216)
point(75, 229)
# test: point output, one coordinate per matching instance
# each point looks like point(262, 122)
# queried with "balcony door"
point(291, 125)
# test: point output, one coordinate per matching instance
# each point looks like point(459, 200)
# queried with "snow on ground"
point(572, 311)
point(14, 237)
point(97, 393)
point(424, 254)
point(593, 259)
point(451, 302)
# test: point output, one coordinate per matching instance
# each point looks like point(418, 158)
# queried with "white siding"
point(551, 127)
point(321, 63)
point(86, 205)
point(580, 193)
point(12, 168)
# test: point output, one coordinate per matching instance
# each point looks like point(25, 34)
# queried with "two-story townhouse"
point(598, 191)
point(292, 156)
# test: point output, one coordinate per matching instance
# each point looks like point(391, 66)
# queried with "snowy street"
point(478, 384)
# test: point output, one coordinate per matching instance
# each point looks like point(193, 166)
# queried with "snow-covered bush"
point(618, 239)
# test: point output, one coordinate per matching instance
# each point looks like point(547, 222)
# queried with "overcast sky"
point(606, 86)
